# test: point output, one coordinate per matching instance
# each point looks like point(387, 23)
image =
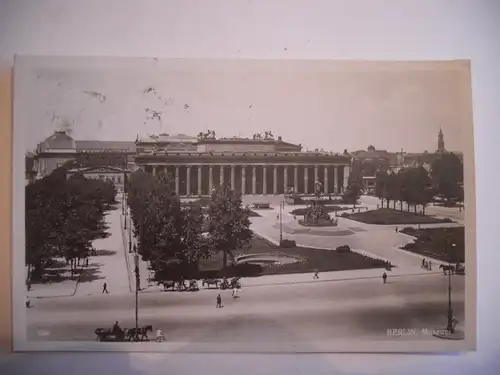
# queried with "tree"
point(447, 176)
point(228, 223)
point(169, 235)
point(353, 192)
point(381, 187)
point(63, 217)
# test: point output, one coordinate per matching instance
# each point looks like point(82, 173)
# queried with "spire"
point(440, 147)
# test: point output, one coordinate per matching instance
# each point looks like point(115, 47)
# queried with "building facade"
point(257, 166)
point(252, 166)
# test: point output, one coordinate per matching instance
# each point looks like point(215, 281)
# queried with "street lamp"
point(282, 207)
point(137, 287)
point(130, 236)
point(449, 326)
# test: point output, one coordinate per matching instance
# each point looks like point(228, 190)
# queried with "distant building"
point(260, 165)
point(104, 173)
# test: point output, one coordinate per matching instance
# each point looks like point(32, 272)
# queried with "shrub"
point(244, 270)
point(343, 249)
point(285, 243)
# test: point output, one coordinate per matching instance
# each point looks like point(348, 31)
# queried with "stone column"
point(232, 177)
point(254, 180)
point(335, 179)
point(199, 180)
point(306, 179)
point(177, 179)
point(264, 180)
point(315, 173)
point(285, 178)
point(188, 180)
point(210, 179)
point(221, 175)
point(275, 180)
point(296, 179)
point(346, 177)
point(325, 183)
point(243, 179)
point(154, 170)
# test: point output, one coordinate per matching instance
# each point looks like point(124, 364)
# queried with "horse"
point(167, 284)
point(449, 268)
point(210, 282)
point(139, 334)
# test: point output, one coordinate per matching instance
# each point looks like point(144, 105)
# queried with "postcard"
point(216, 205)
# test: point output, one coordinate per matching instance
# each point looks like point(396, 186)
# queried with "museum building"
point(258, 166)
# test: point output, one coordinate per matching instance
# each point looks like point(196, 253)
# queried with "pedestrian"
point(219, 301)
point(316, 275)
point(423, 263)
point(396, 229)
point(384, 277)
point(235, 293)
point(426, 266)
point(105, 288)
point(86, 262)
point(430, 265)
point(159, 335)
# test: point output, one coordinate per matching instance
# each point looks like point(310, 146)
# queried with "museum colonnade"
point(254, 179)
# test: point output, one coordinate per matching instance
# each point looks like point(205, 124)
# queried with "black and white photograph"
point(243, 205)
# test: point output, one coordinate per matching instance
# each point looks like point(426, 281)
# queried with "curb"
point(318, 281)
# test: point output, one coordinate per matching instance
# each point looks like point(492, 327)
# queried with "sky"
point(330, 105)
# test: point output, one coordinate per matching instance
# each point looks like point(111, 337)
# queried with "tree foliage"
point(410, 185)
point(169, 235)
point(228, 222)
point(173, 237)
point(353, 192)
point(63, 217)
point(447, 177)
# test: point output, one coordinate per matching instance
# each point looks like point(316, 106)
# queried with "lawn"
point(431, 242)
point(315, 259)
point(388, 216)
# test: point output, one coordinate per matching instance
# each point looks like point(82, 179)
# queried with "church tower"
point(440, 141)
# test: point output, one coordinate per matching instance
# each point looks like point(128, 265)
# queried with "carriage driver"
point(117, 329)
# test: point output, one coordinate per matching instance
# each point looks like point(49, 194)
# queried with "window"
point(119, 179)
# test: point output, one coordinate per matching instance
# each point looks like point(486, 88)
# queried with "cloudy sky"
point(329, 105)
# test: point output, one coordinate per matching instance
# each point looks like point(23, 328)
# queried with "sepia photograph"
point(243, 205)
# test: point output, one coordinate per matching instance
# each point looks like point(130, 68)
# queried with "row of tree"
point(63, 217)
point(417, 187)
point(414, 186)
point(173, 237)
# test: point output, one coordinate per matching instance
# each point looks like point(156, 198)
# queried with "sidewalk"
point(130, 258)
point(303, 278)
point(110, 266)
point(66, 288)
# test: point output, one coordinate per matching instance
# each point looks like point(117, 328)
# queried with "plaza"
point(341, 304)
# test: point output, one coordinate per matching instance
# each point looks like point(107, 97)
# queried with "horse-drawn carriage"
point(224, 284)
point(180, 285)
point(117, 334)
point(457, 269)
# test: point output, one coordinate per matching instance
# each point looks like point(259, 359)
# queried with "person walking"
point(316, 275)
point(430, 265)
point(105, 288)
point(160, 337)
point(423, 263)
point(219, 301)
point(384, 277)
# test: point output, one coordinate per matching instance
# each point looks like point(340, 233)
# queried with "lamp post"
point(137, 287)
point(130, 236)
point(282, 204)
point(449, 326)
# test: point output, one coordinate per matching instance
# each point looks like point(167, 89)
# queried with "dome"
point(60, 140)
point(371, 148)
